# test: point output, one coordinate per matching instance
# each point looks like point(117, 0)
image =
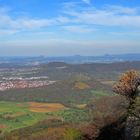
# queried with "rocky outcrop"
point(114, 131)
point(127, 127)
point(132, 128)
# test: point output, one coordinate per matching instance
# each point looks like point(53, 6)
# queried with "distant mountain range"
point(70, 59)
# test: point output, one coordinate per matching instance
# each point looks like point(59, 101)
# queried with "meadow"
point(14, 115)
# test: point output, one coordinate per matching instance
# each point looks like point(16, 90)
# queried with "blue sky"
point(69, 27)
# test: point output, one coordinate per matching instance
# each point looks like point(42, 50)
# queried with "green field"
point(15, 115)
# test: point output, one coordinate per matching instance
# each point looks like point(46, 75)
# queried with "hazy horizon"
point(74, 55)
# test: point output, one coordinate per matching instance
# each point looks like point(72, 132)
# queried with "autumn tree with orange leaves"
point(128, 85)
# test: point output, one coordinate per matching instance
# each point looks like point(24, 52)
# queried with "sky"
point(69, 27)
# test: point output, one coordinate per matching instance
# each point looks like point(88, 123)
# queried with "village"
point(23, 83)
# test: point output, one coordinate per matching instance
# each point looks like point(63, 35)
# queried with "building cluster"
point(19, 84)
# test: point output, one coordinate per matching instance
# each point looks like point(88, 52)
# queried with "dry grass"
point(110, 83)
point(2, 126)
point(19, 114)
point(81, 106)
point(45, 107)
point(81, 85)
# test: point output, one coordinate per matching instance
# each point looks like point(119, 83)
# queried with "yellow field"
point(81, 85)
point(81, 106)
point(45, 107)
point(108, 82)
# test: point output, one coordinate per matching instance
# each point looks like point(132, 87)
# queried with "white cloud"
point(22, 22)
point(122, 10)
point(63, 19)
point(78, 29)
point(70, 16)
point(32, 23)
point(108, 16)
point(4, 32)
point(86, 1)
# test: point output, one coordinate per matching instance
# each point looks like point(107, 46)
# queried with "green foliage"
point(72, 134)
point(74, 115)
point(100, 93)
